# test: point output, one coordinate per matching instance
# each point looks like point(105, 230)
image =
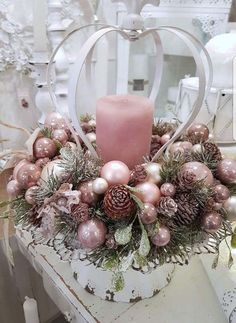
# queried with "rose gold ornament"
point(153, 171)
point(162, 237)
point(55, 121)
point(230, 207)
point(13, 189)
point(100, 185)
point(168, 189)
point(115, 172)
point(211, 222)
point(148, 214)
point(18, 166)
point(200, 172)
point(222, 193)
point(87, 194)
point(41, 162)
point(198, 131)
point(148, 193)
point(30, 194)
point(44, 147)
point(92, 233)
point(165, 138)
point(226, 171)
point(217, 206)
point(28, 175)
point(60, 135)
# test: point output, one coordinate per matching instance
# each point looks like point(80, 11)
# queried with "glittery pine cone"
point(213, 150)
point(34, 218)
point(138, 175)
point(185, 180)
point(118, 203)
point(187, 209)
point(155, 146)
point(167, 206)
point(80, 212)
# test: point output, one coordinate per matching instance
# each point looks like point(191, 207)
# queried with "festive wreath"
point(156, 213)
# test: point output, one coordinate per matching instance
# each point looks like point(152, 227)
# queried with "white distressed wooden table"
point(188, 298)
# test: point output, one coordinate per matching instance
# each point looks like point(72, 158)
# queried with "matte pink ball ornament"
point(201, 172)
point(60, 135)
point(44, 147)
point(87, 194)
point(13, 189)
point(199, 131)
point(211, 222)
point(222, 193)
point(226, 171)
point(162, 237)
point(28, 175)
point(55, 121)
point(168, 189)
point(115, 172)
point(30, 195)
point(148, 193)
point(148, 214)
point(91, 234)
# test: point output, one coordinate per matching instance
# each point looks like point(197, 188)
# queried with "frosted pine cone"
point(186, 179)
point(118, 203)
point(155, 145)
point(138, 175)
point(167, 206)
point(80, 212)
point(213, 150)
point(188, 209)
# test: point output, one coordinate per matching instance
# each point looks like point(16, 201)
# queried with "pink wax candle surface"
point(124, 128)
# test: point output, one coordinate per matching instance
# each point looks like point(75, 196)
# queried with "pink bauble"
point(199, 131)
point(13, 189)
point(18, 166)
point(55, 121)
point(44, 147)
point(148, 214)
point(115, 172)
point(60, 135)
point(211, 222)
point(28, 175)
point(100, 185)
point(41, 162)
point(92, 233)
point(165, 138)
point(30, 194)
point(222, 193)
point(180, 147)
point(201, 172)
point(87, 194)
point(226, 171)
point(162, 237)
point(148, 193)
point(167, 189)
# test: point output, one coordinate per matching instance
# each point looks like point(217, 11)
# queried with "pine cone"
point(80, 212)
point(155, 145)
point(34, 218)
point(213, 150)
point(118, 203)
point(167, 206)
point(187, 209)
point(138, 175)
point(185, 179)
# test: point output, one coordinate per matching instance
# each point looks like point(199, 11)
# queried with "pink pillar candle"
point(124, 128)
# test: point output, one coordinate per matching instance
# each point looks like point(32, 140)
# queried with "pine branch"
point(171, 167)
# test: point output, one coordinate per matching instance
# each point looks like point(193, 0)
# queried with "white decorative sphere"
point(222, 50)
point(100, 185)
point(153, 170)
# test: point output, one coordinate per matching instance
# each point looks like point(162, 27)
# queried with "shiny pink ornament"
point(30, 195)
point(165, 138)
point(18, 166)
point(148, 193)
point(167, 189)
point(60, 135)
point(41, 162)
point(13, 189)
point(92, 233)
point(115, 172)
point(226, 171)
point(44, 147)
point(222, 193)
point(217, 206)
point(28, 175)
point(55, 121)
point(199, 131)
point(201, 172)
point(148, 214)
point(87, 194)
point(180, 147)
point(162, 237)
point(211, 222)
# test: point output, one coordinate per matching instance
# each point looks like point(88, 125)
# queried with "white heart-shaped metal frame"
point(84, 58)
